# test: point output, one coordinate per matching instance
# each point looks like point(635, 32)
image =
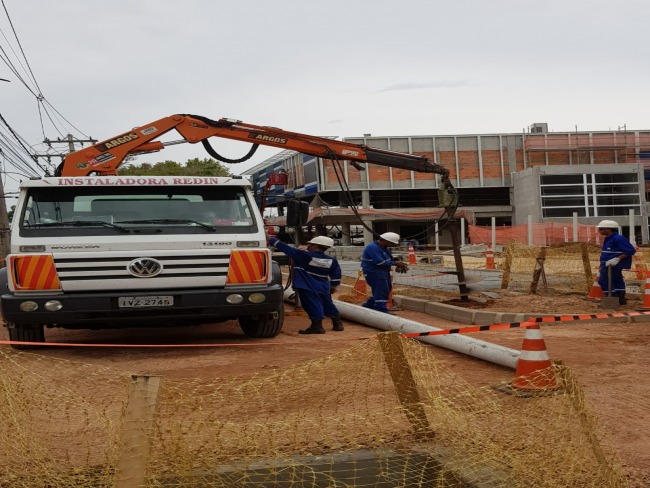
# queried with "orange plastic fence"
point(544, 234)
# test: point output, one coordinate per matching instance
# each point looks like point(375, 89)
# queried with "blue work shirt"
point(376, 258)
point(312, 270)
point(613, 246)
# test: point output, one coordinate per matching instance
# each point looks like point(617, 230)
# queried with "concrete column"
point(368, 236)
point(365, 198)
point(345, 238)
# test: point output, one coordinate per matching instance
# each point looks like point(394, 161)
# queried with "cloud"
point(430, 84)
point(407, 70)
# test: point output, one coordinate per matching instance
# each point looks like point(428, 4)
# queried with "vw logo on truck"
point(144, 267)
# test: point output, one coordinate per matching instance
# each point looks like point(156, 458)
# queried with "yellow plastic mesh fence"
point(384, 413)
point(562, 268)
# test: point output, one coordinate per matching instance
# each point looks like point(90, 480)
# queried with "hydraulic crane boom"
point(106, 157)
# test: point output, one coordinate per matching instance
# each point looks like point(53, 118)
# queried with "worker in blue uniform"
point(315, 278)
point(616, 253)
point(376, 263)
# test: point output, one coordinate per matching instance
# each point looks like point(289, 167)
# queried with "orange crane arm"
point(107, 156)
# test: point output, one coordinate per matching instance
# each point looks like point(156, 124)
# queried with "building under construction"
point(508, 179)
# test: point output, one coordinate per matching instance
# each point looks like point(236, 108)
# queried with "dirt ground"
point(610, 358)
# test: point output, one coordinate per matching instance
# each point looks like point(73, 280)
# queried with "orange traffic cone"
point(646, 293)
point(596, 291)
point(534, 368)
point(391, 304)
point(489, 258)
point(412, 259)
point(360, 286)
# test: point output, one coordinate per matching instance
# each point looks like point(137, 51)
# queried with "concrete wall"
point(346, 253)
point(510, 160)
point(525, 196)
point(527, 201)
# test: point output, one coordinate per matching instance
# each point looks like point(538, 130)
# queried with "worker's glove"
point(401, 268)
point(612, 262)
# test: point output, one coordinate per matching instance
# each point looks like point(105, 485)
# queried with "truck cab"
point(122, 251)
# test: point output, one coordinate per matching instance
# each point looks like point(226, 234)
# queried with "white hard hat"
point(322, 241)
point(607, 224)
point(390, 237)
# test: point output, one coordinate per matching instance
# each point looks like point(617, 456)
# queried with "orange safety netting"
point(544, 234)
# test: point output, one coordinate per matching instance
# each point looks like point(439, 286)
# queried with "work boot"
point(621, 299)
point(316, 327)
point(337, 323)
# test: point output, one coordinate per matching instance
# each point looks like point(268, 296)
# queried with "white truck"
point(117, 251)
point(90, 249)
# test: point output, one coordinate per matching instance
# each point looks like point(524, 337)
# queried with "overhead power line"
point(15, 152)
point(29, 68)
point(15, 57)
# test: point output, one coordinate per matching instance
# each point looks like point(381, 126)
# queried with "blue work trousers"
point(317, 305)
point(381, 285)
point(618, 284)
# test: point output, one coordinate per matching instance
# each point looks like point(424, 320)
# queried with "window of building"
point(590, 195)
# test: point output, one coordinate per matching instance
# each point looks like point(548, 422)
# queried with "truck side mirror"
point(297, 213)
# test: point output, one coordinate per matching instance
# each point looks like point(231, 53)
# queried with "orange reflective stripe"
point(247, 267)
point(35, 272)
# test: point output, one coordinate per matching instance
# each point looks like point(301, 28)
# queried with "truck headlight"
point(28, 306)
point(256, 297)
point(234, 299)
point(53, 305)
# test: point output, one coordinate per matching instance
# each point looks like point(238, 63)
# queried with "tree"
point(193, 167)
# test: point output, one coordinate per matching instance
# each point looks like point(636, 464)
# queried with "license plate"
point(138, 302)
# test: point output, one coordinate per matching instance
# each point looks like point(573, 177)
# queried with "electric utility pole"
point(4, 225)
point(4, 219)
point(4, 216)
point(69, 140)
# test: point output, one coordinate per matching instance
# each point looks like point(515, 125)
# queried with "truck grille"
point(179, 269)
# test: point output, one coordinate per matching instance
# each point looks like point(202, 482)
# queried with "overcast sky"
point(332, 68)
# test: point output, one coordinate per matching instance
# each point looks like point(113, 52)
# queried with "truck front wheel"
point(263, 325)
point(25, 333)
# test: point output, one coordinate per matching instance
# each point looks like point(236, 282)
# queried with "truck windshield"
point(168, 209)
